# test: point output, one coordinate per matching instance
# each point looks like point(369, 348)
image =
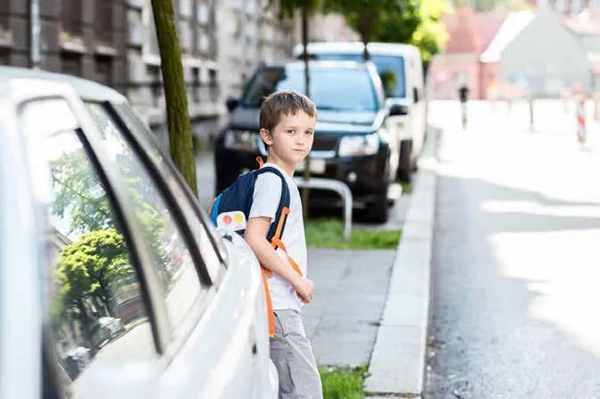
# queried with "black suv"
point(352, 141)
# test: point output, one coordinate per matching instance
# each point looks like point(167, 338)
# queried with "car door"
point(92, 265)
point(223, 351)
point(20, 308)
point(125, 241)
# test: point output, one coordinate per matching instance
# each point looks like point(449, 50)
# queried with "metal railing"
point(339, 187)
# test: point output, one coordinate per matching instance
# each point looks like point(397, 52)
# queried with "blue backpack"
point(239, 198)
point(232, 208)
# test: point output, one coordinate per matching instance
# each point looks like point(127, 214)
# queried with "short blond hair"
point(284, 102)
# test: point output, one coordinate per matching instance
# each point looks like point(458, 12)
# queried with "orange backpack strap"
point(211, 207)
point(260, 162)
point(266, 273)
point(277, 243)
point(270, 315)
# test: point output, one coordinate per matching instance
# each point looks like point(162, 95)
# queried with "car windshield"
point(329, 87)
point(389, 67)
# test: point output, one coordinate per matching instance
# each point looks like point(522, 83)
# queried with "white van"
point(401, 69)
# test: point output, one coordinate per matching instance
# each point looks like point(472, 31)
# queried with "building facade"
point(77, 37)
point(249, 32)
point(554, 53)
point(326, 28)
point(470, 34)
point(114, 42)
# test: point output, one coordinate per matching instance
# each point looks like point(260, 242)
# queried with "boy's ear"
point(266, 136)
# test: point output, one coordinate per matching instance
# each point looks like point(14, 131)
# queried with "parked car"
point(104, 329)
point(353, 141)
point(89, 204)
point(401, 69)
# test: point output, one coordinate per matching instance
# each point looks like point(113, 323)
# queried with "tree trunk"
point(86, 324)
point(306, 190)
point(180, 135)
point(365, 32)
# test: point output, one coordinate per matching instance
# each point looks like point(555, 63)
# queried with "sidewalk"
point(371, 307)
point(350, 292)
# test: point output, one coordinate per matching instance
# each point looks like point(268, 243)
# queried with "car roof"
point(317, 64)
point(87, 89)
point(356, 48)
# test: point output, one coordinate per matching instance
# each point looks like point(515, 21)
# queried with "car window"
point(329, 88)
point(96, 307)
point(209, 244)
point(171, 256)
point(390, 69)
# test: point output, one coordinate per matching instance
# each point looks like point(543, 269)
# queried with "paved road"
point(516, 261)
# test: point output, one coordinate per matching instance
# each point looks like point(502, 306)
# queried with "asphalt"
point(515, 261)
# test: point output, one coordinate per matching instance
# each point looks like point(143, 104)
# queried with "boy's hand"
point(304, 288)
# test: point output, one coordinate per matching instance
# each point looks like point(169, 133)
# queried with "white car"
point(90, 208)
point(401, 69)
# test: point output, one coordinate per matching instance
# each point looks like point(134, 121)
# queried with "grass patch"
point(343, 383)
point(328, 233)
point(407, 188)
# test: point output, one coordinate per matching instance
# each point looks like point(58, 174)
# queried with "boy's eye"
point(290, 131)
point(309, 132)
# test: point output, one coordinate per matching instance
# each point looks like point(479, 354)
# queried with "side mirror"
point(232, 103)
point(398, 110)
point(416, 94)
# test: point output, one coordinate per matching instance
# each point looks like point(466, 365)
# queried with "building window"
point(71, 17)
point(185, 8)
point(150, 47)
point(202, 14)
point(104, 70)
point(204, 44)
point(196, 84)
point(213, 85)
point(4, 11)
point(71, 64)
point(103, 25)
point(4, 56)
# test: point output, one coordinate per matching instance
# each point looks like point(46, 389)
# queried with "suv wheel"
point(379, 210)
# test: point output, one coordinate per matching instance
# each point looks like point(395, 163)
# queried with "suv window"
point(96, 307)
point(329, 87)
point(168, 249)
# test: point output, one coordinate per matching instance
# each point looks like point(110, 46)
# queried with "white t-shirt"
point(267, 193)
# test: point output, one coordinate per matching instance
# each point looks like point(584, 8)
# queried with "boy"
point(287, 123)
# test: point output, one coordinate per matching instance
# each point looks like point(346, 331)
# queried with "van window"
point(390, 68)
point(329, 87)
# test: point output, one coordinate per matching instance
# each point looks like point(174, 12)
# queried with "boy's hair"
point(284, 102)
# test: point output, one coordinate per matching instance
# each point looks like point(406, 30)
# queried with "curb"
point(397, 367)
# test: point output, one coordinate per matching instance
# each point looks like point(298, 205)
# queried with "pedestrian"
point(287, 123)
point(463, 94)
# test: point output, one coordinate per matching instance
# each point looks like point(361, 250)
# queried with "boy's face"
point(291, 140)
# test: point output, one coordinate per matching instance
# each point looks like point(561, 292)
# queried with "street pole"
point(34, 21)
point(531, 121)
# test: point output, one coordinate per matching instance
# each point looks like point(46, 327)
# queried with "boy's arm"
point(255, 235)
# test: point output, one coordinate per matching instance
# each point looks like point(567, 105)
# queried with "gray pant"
point(293, 357)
